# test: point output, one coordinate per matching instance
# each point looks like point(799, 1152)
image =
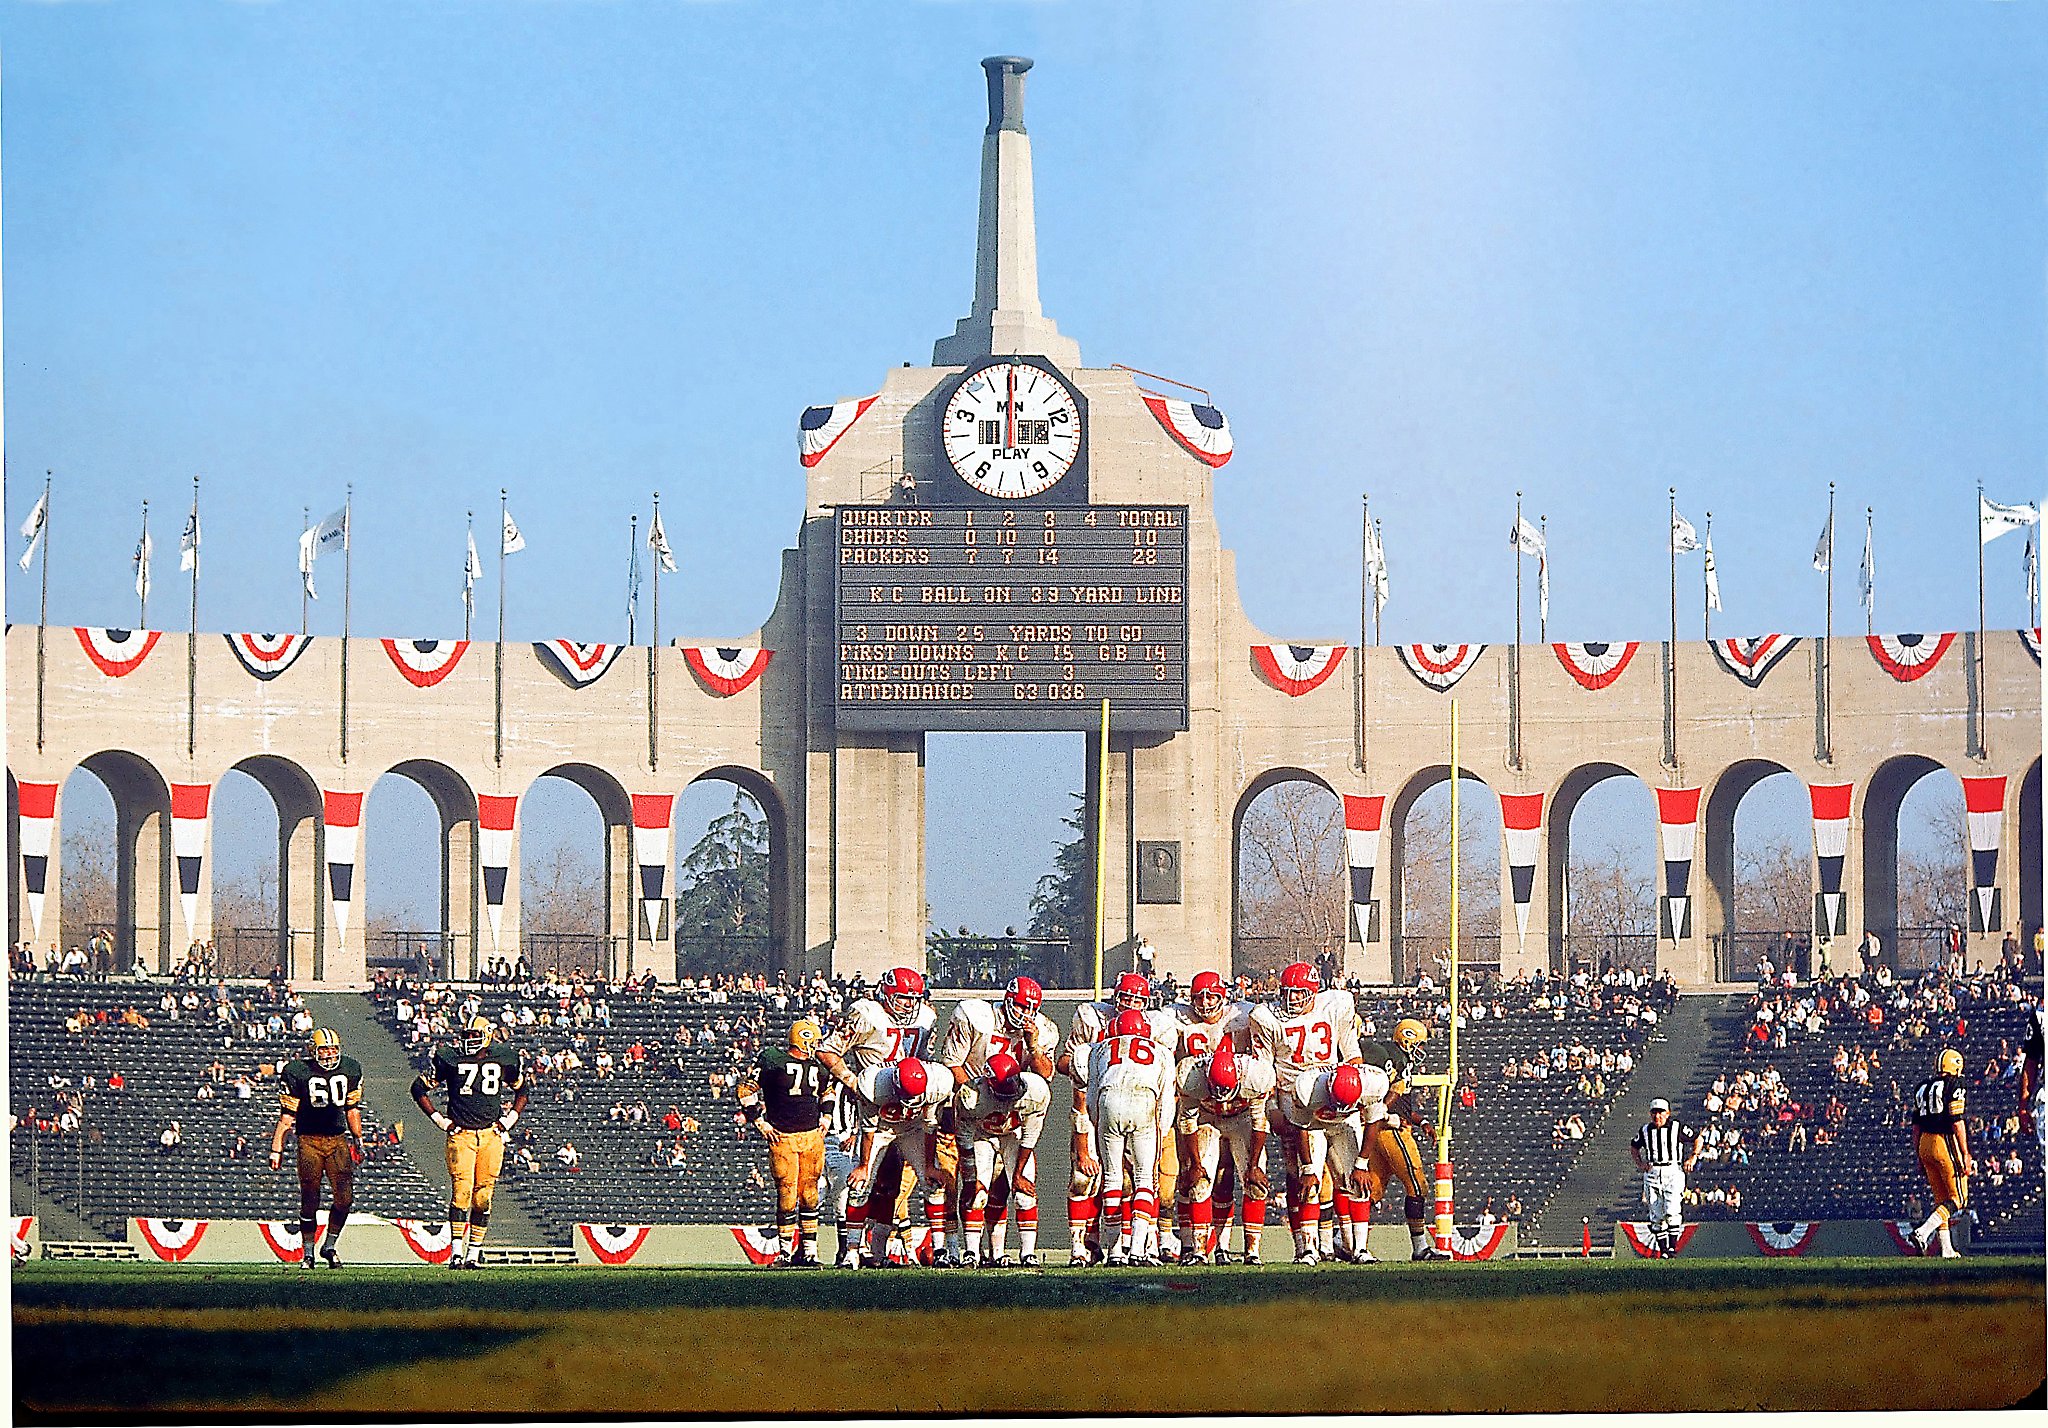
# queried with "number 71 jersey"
point(477, 1083)
point(1324, 1035)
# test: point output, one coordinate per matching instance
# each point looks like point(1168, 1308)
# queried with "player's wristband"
point(508, 1120)
point(443, 1122)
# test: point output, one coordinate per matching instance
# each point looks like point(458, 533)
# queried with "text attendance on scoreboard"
point(1011, 617)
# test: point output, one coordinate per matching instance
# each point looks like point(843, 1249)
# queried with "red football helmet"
point(1208, 996)
point(911, 1078)
point(1223, 1071)
point(902, 992)
point(1005, 1077)
point(1130, 1022)
point(1021, 1002)
point(1133, 990)
point(1298, 987)
point(1347, 1089)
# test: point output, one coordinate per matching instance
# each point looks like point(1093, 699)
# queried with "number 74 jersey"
point(1324, 1035)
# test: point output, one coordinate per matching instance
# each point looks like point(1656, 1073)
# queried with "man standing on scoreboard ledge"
point(477, 1076)
point(1665, 1152)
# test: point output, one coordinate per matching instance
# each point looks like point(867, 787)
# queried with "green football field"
point(132, 1340)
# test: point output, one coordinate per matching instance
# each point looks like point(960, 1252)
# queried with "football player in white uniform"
point(1223, 1103)
point(1312, 1029)
point(999, 1114)
point(896, 1023)
point(1015, 1028)
point(1091, 1022)
point(1129, 1077)
point(906, 1096)
point(1324, 1111)
point(1205, 1020)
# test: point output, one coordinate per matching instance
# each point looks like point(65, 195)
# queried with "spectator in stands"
point(567, 1156)
point(170, 1138)
point(240, 1149)
point(204, 1093)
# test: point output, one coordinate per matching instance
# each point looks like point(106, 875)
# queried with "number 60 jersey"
point(1323, 1035)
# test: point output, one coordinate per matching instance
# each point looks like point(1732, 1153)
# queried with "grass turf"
point(1532, 1335)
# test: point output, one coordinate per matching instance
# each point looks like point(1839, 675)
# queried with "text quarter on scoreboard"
point(979, 618)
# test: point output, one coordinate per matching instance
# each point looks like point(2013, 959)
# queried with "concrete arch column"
point(785, 881)
point(1403, 961)
point(621, 913)
point(461, 876)
point(2023, 838)
point(1549, 903)
point(1714, 912)
point(1881, 799)
point(302, 929)
point(1370, 961)
point(143, 881)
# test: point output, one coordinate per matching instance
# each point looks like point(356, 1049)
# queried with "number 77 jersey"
point(1324, 1035)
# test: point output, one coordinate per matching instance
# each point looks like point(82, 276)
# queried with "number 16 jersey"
point(476, 1082)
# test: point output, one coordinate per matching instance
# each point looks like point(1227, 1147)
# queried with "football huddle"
point(1172, 1111)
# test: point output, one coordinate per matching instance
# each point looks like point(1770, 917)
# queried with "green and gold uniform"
point(318, 1102)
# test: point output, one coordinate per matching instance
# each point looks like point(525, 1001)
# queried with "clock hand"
point(1010, 413)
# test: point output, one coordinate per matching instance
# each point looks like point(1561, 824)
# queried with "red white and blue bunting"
point(617, 1244)
point(1297, 669)
point(171, 1240)
point(1984, 802)
point(1901, 1232)
point(1779, 1239)
point(818, 430)
point(432, 1240)
point(18, 1243)
point(1476, 1245)
point(37, 803)
point(1908, 657)
point(1201, 431)
point(577, 664)
point(268, 656)
point(1637, 1233)
point(1595, 665)
point(342, 813)
point(284, 1240)
point(1678, 813)
point(1750, 660)
point(1831, 846)
point(1521, 824)
point(495, 813)
point(425, 662)
point(1440, 666)
point(188, 845)
point(651, 815)
point(2032, 640)
point(116, 652)
point(1363, 816)
point(726, 669)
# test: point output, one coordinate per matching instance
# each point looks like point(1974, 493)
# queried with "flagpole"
point(1514, 656)
point(305, 524)
point(498, 667)
point(1365, 601)
point(43, 617)
point(142, 574)
point(632, 564)
point(1870, 560)
point(1981, 751)
point(654, 644)
point(348, 572)
point(469, 580)
point(1542, 578)
point(1827, 649)
point(192, 638)
point(1706, 590)
point(1671, 659)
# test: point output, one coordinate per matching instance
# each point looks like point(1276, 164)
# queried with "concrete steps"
point(1603, 1183)
point(387, 1089)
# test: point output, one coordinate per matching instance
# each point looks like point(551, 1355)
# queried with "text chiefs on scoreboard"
point(993, 618)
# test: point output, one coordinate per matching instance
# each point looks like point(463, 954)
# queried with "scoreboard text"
point(980, 618)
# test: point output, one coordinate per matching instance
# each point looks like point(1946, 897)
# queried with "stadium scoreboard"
point(995, 618)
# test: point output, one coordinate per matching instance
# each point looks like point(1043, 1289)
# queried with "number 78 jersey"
point(1324, 1035)
point(476, 1083)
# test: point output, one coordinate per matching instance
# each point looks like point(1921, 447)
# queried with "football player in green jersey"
point(784, 1102)
point(477, 1077)
point(322, 1096)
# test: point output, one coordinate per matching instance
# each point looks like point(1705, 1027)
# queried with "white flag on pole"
point(1376, 566)
point(316, 541)
point(1824, 548)
point(1866, 574)
point(1526, 538)
point(657, 541)
point(32, 528)
point(513, 541)
point(1995, 519)
point(2033, 580)
point(1683, 537)
point(188, 544)
point(144, 548)
point(1713, 575)
point(471, 569)
point(1543, 587)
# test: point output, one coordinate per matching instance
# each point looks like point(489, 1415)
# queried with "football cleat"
point(1298, 987)
point(332, 1256)
point(1029, 1261)
point(1193, 1256)
point(1021, 1002)
point(1432, 1251)
point(1362, 1255)
point(305, 1260)
point(1251, 1257)
point(326, 1049)
point(782, 1260)
point(1920, 1241)
point(1117, 1259)
point(458, 1260)
point(902, 993)
point(1307, 1255)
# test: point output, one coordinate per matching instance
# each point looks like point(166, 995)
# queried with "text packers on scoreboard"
point(994, 618)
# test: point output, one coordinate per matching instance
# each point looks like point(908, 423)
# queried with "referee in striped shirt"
point(1665, 1152)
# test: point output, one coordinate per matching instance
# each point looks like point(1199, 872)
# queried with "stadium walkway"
point(387, 1085)
point(1604, 1176)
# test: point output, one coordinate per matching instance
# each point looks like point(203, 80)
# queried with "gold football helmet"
point(804, 1035)
point(1949, 1063)
point(1410, 1033)
point(326, 1047)
point(477, 1033)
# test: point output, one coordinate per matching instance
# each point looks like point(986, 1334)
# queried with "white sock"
point(1929, 1225)
point(997, 1233)
point(1942, 1237)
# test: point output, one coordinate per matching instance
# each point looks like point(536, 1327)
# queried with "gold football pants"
point(474, 1159)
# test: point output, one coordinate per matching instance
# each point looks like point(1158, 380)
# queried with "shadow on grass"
point(81, 1372)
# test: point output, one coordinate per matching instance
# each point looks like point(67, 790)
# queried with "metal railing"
point(1430, 952)
point(1256, 955)
point(586, 952)
point(701, 954)
point(1910, 951)
point(249, 952)
point(438, 955)
point(990, 962)
point(1598, 951)
point(1736, 954)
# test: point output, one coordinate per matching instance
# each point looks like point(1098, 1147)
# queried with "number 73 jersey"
point(477, 1083)
point(1324, 1035)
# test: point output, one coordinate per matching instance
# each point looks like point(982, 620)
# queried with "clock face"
point(1011, 429)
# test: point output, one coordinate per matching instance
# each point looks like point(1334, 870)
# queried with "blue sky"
point(1434, 252)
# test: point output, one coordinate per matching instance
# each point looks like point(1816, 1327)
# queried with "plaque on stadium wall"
point(1158, 871)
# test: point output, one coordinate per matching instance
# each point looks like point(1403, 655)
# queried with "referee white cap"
point(1660, 1104)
